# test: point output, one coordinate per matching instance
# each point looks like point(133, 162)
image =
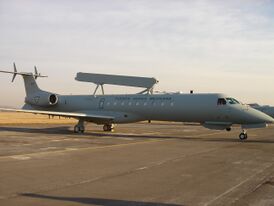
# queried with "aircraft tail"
point(31, 86)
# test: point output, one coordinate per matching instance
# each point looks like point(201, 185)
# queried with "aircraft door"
point(101, 103)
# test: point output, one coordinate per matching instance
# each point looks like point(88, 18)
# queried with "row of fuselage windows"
point(140, 104)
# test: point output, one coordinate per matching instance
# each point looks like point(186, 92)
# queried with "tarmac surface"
point(138, 164)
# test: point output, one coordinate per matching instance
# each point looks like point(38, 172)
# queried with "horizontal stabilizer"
point(15, 72)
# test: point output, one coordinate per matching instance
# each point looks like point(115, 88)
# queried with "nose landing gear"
point(243, 135)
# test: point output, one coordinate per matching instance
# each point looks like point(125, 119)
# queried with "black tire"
point(76, 129)
point(242, 136)
point(106, 128)
point(82, 130)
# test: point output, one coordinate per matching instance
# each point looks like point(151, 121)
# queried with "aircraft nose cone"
point(260, 117)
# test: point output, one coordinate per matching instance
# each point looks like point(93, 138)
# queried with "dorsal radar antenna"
point(121, 80)
point(15, 73)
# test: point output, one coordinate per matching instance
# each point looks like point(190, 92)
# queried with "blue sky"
point(208, 46)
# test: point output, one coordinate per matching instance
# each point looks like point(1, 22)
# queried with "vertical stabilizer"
point(31, 86)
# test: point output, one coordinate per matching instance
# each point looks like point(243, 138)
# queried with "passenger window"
point(221, 101)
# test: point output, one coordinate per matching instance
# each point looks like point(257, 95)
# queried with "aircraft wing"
point(86, 116)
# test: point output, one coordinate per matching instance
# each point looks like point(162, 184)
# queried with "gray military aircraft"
point(213, 111)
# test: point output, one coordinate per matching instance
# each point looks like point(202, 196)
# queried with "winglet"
point(36, 72)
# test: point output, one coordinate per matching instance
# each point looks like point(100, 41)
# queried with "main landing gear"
point(108, 127)
point(80, 127)
point(243, 136)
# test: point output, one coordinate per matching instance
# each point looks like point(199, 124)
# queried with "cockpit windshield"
point(232, 101)
point(221, 101)
point(228, 100)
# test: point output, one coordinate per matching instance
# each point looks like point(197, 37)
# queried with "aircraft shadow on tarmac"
point(65, 130)
point(50, 130)
point(97, 201)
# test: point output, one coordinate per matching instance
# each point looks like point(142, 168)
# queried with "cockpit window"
point(232, 101)
point(221, 101)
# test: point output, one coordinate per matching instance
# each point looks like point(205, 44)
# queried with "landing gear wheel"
point(76, 129)
point(105, 128)
point(82, 129)
point(79, 129)
point(243, 136)
point(108, 127)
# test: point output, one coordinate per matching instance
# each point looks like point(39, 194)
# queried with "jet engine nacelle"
point(42, 99)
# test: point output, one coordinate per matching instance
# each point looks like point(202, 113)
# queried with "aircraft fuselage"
point(175, 107)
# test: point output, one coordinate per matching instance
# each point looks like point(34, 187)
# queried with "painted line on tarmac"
point(66, 150)
point(142, 168)
point(236, 186)
point(29, 155)
point(205, 135)
point(21, 157)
